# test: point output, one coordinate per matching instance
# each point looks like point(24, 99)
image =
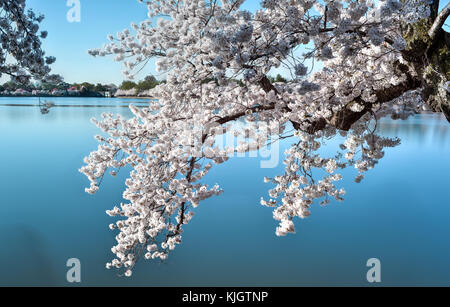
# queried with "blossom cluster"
point(216, 57)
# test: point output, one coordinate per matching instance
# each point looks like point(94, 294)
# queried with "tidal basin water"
point(399, 214)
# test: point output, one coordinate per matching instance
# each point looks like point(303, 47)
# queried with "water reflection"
point(45, 106)
point(424, 128)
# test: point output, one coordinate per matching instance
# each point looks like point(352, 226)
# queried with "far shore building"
point(21, 92)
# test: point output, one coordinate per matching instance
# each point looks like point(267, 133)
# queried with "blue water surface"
point(399, 214)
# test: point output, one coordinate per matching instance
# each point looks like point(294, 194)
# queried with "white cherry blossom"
point(216, 58)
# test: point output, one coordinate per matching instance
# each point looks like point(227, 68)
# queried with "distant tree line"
point(87, 88)
point(147, 84)
point(49, 86)
point(84, 88)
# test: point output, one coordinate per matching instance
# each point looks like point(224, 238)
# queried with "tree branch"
point(439, 22)
point(434, 9)
point(345, 118)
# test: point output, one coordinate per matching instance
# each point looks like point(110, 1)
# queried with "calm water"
point(400, 213)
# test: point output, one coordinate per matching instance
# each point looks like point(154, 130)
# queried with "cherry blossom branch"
point(202, 49)
point(345, 118)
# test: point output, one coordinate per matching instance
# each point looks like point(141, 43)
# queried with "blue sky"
point(69, 42)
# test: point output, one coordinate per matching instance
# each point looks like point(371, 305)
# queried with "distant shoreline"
point(134, 97)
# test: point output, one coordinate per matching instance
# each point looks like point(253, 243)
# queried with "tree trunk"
point(428, 56)
point(428, 52)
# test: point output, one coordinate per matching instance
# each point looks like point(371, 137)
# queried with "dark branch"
point(439, 22)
